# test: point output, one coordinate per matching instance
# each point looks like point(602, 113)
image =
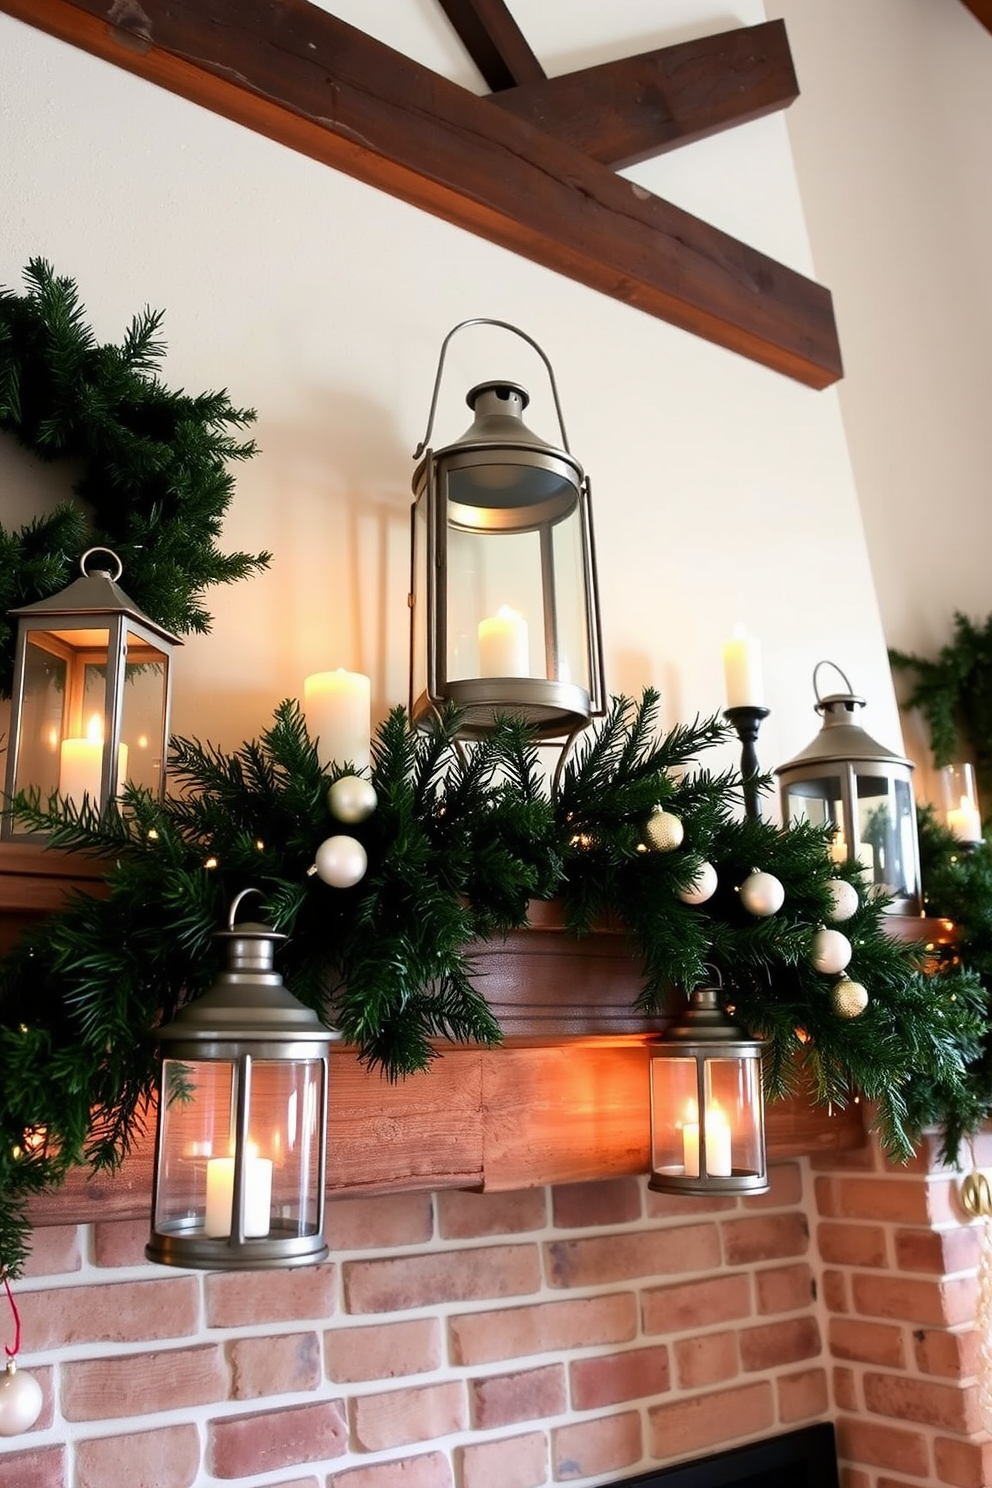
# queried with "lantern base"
point(183, 1243)
point(676, 1180)
point(551, 709)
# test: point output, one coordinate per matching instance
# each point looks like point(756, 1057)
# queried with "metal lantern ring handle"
point(110, 553)
point(505, 326)
point(840, 673)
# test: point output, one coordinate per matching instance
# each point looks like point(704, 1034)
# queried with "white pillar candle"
point(338, 711)
point(719, 1163)
point(965, 822)
point(742, 671)
point(220, 1197)
point(504, 645)
point(81, 766)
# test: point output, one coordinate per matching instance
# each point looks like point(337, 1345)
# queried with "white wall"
point(723, 491)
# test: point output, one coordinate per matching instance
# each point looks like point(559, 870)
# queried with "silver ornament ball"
point(844, 899)
point(341, 862)
point(664, 830)
point(20, 1400)
point(830, 952)
point(703, 886)
point(762, 894)
point(848, 999)
point(351, 799)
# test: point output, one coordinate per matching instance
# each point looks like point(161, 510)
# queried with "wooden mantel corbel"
point(304, 78)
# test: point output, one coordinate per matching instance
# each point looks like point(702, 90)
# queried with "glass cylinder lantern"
point(91, 694)
point(707, 1107)
point(505, 611)
point(960, 799)
point(845, 780)
point(242, 1120)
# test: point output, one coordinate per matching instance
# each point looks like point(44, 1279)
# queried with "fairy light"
point(210, 863)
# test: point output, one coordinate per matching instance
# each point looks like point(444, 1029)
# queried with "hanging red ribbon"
point(12, 1352)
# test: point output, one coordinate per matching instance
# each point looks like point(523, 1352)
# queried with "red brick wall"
point(578, 1334)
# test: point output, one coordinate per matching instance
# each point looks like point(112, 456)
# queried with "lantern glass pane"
point(733, 1126)
point(42, 722)
point(495, 606)
point(574, 658)
point(887, 830)
point(421, 602)
point(196, 1123)
point(143, 717)
point(287, 1107)
point(674, 1116)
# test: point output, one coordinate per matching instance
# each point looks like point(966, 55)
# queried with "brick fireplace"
point(582, 1332)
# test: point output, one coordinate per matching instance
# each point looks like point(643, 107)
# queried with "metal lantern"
point(505, 611)
point(91, 693)
point(846, 780)
point(707, 1108)
point(242, 1119)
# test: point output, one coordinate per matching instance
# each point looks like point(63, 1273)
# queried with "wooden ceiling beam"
point(494, 41)
point(301, 77)
point(621, 112)
point(982, 11)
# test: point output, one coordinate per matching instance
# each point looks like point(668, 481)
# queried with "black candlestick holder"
point(747, 721)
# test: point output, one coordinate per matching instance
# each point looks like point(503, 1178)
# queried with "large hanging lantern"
point(707, 1107)
point(242, 1119)
point(91, 693)
point(845, 780)
point(505, 612)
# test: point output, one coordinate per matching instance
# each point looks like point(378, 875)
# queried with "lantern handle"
point(819, 664)
point(506, 326)
point(235, 902)
point(98, 549)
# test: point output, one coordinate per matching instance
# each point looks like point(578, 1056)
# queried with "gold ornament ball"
point(843, 898)
point(762, 894)
point(703, 886)
point(351, 799)
point(664, 830)
point(848, 999)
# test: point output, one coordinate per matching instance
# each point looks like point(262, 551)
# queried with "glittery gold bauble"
point(848, 999)
point(664, 830)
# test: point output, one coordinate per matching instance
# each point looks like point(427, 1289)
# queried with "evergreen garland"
point(461, 840)
point(154, 485)
point(954, 694)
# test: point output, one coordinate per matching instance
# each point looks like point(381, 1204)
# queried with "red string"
point(10, 1352)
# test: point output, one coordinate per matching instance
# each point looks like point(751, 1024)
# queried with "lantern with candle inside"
point(960, 798)
point(707, 1109)
point(242, 1119)
point(846, 780)
point(92, 685)
point(504, 605)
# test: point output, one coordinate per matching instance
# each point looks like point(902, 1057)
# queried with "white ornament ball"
point(762, 894)
point(848, 999)
point(844, 899)
point(664, 830)
point(20, 1400)
point(703, 886)
point(831, 951)
point(341, 862)
point(351, 799)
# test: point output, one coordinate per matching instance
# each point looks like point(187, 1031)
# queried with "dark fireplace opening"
point(798, 1459)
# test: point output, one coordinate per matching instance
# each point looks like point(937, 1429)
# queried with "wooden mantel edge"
point(303, 78)
point(518, 1117)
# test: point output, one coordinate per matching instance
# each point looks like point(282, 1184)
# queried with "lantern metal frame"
point(841, 753)
point(703, 1034)
point(246, 1018)
point(66, 626)
point(554, 706)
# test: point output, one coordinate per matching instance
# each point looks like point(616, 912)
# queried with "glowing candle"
point(81, 765)
point(965, 821)
point(719, 1163)
point(504, 645)
point(338, 707)
point(742, 671)
point(838, 848)
point(220, 1196)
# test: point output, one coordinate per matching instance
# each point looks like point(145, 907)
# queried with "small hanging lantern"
point(91, 694)
point(846, 780)
point(242, 1119)
point(505, 611)
point(707, 1108)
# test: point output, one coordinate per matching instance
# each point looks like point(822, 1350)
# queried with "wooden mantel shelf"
point(564, 1100)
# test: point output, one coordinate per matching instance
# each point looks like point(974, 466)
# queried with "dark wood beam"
point(982, 11)
point(301, 77)
point(629, 110)
point(494, 41)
